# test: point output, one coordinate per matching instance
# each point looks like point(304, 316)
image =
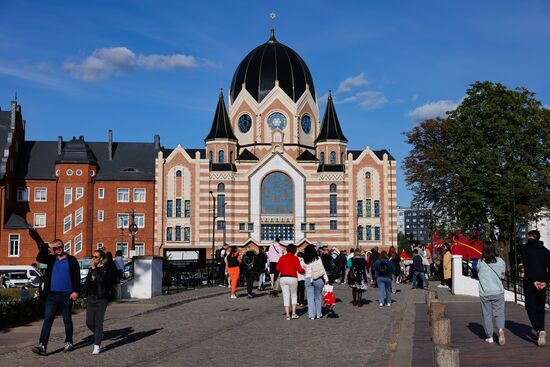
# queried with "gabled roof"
point(221, 125)
point(16, 222)
point(330, 129)
point(378, 153)
point(246, 155)
point(330, 168)
point(307, 156)
point(223, 167)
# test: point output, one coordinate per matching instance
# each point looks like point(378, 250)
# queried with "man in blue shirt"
point(61, 287)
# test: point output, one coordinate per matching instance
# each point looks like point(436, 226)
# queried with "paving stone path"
point(219, 331)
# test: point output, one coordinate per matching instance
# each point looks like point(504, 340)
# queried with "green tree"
point(485, 165)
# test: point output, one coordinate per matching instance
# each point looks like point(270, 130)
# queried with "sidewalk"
point(467, 334)
point(12, 339)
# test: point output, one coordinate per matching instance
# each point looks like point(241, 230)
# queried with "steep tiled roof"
point(221, 125)
point(330, 129)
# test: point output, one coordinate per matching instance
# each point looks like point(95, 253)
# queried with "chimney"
point(157, 142)
point(110, 145)
point(59, 144)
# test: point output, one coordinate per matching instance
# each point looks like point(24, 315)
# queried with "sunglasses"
point(57, 248)
point(96, 257)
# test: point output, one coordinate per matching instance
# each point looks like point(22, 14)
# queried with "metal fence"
point(181, 275)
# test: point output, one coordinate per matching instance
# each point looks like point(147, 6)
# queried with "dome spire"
point(272, 38)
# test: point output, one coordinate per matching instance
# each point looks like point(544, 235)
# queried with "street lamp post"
point(213, 234)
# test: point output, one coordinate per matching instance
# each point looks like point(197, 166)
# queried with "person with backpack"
point(249, 271)
point(491, 270)
point(374, 255)
point(220, 264)
point(384, 269)
point(232, 263)
point(273, 255)
point(328, 263)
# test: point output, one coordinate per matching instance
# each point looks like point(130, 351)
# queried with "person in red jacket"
point(288, 268)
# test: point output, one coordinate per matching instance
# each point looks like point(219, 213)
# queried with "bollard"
point(441, 331)
point(446, 356)
point(436, 311)
point(431, 296)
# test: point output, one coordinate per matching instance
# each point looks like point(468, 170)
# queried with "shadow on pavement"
point(522, 331)
point(477, 329)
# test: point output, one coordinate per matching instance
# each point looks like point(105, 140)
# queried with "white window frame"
point(137, 252)
point(127, 220)
point(101, 193)
point(121, 191)
point(99, 245)
point(69, 222)
point(79, 213)
point(17, 246)
point(79, 193)
point(68, 247)
point(40, 215)
point(142, 220)
point(36, 194)
point(22, 194)
point(67, 191)
point(144, 195)
point(100, 215)
point(124, 248)
point(77, 241)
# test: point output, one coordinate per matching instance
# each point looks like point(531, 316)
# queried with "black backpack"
point(249, 262)
point(383, 269)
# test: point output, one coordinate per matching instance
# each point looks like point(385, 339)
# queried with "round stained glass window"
point(276, 121)
point(245, 123)
point(306, 124)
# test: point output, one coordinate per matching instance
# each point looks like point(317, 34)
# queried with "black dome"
point(267, 63)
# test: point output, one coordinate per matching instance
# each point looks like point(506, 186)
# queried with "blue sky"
point(143, 68)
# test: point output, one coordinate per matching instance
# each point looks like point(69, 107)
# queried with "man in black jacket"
point(419, 270)
point(61, 287)
point(536, 262)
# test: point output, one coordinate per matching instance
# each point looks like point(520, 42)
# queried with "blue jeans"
point(384, 290)
point(422, 276)
point(54, 302)
point(314, 297)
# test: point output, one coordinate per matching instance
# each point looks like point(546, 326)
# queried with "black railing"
point(181, 275)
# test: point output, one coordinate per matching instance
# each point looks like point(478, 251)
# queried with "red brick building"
point(85, 193)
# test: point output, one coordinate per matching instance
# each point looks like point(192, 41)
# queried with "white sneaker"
point(501, 337)
point(233, 296)
point(489, 340)
point(389, 304)
point(97, 349)
point(381, 305)
point(542, 338)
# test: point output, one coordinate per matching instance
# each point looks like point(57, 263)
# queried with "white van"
point(27, 269)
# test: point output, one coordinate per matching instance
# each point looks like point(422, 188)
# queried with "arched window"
point(211, 156)
point(332, 157)
point(231, 157)
point(333, 201)
point(221, 200)
point(221, 187)
point(178, 173)
point(342, 156)
point(367, 175)
point(322, 158)
point(221, 156)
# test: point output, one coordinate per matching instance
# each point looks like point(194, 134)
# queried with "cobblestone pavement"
point(221, 331)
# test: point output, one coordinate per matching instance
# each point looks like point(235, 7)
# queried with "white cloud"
point(432, 110)
point(352, 82)
point(104, 63)
point(414, 98)
point(371, 100)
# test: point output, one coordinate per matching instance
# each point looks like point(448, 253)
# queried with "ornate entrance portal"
point(277, 207)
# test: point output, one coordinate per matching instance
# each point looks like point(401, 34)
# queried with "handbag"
point(317, 270)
